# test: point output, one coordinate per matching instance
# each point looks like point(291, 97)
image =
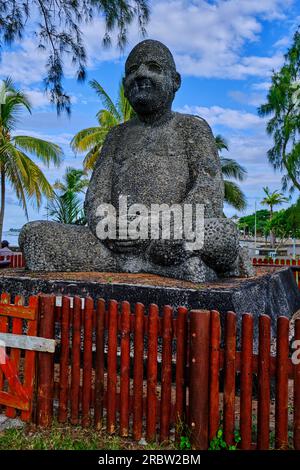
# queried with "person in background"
point(5, 254)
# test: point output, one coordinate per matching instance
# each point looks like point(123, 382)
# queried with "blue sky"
point(225, 51)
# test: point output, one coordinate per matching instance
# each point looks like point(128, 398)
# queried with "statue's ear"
point(177, 81)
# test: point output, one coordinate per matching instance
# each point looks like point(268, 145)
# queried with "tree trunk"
point(272, 234)
point(285, 163)
point(2, 208)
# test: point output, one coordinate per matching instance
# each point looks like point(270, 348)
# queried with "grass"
point(62, 437)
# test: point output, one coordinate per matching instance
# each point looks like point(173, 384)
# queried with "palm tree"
point(272, 199)
point(16, 167)
point(66, 206)
point(234, 196)
point(90, 140)
point(283, 107)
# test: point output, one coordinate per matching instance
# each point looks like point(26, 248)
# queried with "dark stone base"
point(272, 291)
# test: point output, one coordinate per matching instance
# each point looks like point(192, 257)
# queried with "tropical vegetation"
point(58, 32)
point(284, 223)
point(91, 140)
point(66, 206)
point(247, 222)
point(283, 108)
point(272, 199)
point(231, 169)
point(17, 169)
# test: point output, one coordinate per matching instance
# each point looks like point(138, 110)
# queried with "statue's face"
point(150, 80)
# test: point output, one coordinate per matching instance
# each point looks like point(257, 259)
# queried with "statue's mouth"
point(144, 84)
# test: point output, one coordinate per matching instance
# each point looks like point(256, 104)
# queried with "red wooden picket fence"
point(275, 262)
point(294, 264)
point(155, 373)
point(16, 260)
point(271, 371)
point(118, 363)
point(17, 366)
point(139, 374)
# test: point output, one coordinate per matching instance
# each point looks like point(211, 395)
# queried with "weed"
point(184, 433)
point(218, 443)
point(185, 443)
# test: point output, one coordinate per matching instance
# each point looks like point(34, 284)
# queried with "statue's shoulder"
point(192, 123)
point(124, 126)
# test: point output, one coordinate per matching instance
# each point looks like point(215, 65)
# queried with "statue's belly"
point(151, 178)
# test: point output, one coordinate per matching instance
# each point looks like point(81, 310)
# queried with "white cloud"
point(231, 118)
point(261, 86)
point(283, 42)
point(93, 36)
point(41, 99)
point(253, 99)
point(207, 39)
point(251, 152)
point(38, 99)
point(25, 64)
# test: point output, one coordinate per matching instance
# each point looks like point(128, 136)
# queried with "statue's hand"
point(127, 246)
point(167, 252)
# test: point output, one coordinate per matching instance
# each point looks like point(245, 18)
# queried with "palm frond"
point(105, 98)
point(76, 142)
point(45, 151)
point(13, 102)
point(124, 107)
point(87, 139)
point(221, 142)
point(91, 157)
point(232, 169)
point(234, 196)
point(106, 119)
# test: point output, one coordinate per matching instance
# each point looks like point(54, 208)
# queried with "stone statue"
point(158, 157)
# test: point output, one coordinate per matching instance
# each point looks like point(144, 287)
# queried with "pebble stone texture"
point(158, 157)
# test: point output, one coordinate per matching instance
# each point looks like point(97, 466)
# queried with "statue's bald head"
point(151, 49)
point(151, 80)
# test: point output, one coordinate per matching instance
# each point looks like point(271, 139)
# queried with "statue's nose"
point(141, 71)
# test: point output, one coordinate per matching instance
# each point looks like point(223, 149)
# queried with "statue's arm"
point(221, 240)
point(99, 190)
point(206, 184)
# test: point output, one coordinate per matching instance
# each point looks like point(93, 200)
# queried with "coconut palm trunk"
point(272, 199)
point(272, 233)
point(2, 208)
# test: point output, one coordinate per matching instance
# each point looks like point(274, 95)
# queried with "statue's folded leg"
point(191, 269)
point(221, 249)
point(51, 246)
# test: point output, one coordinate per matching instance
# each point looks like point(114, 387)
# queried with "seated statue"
point(158, 157)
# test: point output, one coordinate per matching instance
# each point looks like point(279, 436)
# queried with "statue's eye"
point(154, 66)
point(132, 69)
